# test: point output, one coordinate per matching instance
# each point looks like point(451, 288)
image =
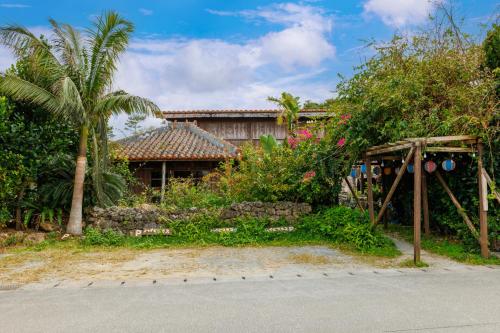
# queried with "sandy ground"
point(52, 267)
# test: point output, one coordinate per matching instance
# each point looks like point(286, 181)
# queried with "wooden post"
point(394, 186)
point(417, 201)
point(491, 185)
point(460, 210)
point(369, 189)
point(354, 194)
point(425, 204)
point(163, 179)
point(483, 204)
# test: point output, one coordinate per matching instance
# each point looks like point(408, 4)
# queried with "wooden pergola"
point(415, 147)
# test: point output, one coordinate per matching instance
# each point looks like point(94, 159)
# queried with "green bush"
point(186, 193)
point(347, 226)
point(102, 238)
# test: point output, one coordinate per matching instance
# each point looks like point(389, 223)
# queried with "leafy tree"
point(133, 123)
point(290, 108)
point(492, 48)
point(71, 77)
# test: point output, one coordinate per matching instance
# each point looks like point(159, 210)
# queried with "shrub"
point(345, 225)
point(305, 169)
point(102, 238)
point(186, 193)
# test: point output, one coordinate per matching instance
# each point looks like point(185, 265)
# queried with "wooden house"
point(174, 150)
point(239, 126)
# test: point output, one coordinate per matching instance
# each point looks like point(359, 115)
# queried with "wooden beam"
point(394, 186)
point(389, 149)
point(354, 194)
point(391, 144)
point(460, 210)
point(449, 150)
point(443, 139)
point(425, 205)
point(491, 185)
point(369, 189)
point(483, 205)
point(163, 179)
point(417, 201)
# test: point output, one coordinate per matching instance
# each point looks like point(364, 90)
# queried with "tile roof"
point(236, 113)
point(176, 142)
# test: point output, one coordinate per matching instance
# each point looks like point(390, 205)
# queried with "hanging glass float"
point(397, 170)
point(387, 171)
point(363, 168)
point(353, 172)
point(410, 168)
point(430, 166)
point(448, 165)
point(376, 170)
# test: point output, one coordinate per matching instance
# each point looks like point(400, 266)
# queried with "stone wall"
point(127, 219)
point(272, 210)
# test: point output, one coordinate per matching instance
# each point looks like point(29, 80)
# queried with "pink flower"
point(341, 142)
point(308, 176)
point(304, 133)
point(292, 142)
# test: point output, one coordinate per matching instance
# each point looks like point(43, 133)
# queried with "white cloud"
point(400, 13)
point(146, 12)
point(212, 73)
point(13, 5)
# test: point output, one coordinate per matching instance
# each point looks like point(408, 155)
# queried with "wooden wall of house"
point(238, 131)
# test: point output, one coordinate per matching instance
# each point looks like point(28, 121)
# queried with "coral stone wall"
point(126, 219)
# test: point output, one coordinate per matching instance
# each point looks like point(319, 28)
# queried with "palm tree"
point(71, 75)
point(290, 108)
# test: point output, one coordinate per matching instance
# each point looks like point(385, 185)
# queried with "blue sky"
point(233, 54)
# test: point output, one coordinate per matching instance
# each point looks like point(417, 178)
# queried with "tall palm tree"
point(71, 75)
point(290, 108)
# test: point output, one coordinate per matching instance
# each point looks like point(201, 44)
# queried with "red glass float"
point(430, 166)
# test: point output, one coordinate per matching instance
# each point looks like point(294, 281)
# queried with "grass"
point(411, 264)
point(448, 247)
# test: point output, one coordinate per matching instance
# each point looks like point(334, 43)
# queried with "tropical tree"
point(290, 108)
point(71, 75)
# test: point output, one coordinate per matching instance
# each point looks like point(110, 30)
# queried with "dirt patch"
point(309, 259)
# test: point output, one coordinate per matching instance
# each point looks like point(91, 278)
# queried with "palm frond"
point(120, 101)
point(108, 41)
point(22, 90)
point(68, 43)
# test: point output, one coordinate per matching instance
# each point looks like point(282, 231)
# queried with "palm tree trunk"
point(75, 216)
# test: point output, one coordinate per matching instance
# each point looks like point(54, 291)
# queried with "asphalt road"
point(381, 301)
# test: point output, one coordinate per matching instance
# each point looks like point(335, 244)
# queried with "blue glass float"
point(353, 173)
point(410, 168)
point(448, 165)
point(363, 168)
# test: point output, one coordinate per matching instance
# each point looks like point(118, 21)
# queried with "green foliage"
point(346, 226)
point(268, 143)
point(185, 193)
point(491, 46)
point(419, 86)
point(105, 238)
point(290, 108)
point(24, 162)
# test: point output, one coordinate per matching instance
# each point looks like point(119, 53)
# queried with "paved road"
point(466, 300)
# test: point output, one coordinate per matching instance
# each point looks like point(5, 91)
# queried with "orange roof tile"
point(176, 141)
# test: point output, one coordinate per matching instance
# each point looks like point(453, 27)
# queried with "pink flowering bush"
point(304, 169)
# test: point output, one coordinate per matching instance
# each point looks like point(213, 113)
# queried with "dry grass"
point(29, 267)
point(309, 259)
